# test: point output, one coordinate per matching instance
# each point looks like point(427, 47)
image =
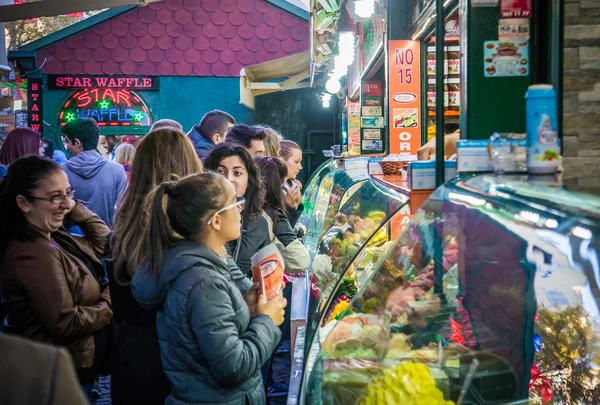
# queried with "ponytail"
point(159, 235)
point(179, 210)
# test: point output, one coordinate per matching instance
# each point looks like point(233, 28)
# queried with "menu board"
point(372, 125)
point(404, 96)
point(506, 58)
point(353, 127)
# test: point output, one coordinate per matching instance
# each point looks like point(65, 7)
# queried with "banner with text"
point(404, 96)
point(34, 104)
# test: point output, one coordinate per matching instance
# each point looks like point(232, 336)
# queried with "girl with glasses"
point(53, 286)
point(213, 343)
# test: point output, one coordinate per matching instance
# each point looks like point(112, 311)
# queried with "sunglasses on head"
point(239, 203)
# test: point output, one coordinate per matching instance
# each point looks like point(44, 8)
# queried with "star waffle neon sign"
point(108, 107)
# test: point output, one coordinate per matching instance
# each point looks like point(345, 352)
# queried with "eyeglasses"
point(56, 199)
point(239, 203)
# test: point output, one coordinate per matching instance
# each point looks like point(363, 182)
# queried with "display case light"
point(364, 8)
point(333, 85)
point(326, 99)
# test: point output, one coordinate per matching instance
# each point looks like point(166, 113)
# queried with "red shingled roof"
point(181, 38)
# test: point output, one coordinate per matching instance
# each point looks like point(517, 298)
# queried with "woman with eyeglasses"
point(52, 285)
point(237, 165)
point(213, 342)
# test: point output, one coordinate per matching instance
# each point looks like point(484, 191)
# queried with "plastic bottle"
point(543, 145)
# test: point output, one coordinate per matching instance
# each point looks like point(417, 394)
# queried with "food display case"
point(489, 296)
point(335, 187)
point(310, 192)
point(357, 235)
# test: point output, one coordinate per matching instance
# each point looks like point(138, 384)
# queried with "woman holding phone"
point(291, 154)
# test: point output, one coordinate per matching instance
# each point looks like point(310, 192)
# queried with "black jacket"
point(255, 236)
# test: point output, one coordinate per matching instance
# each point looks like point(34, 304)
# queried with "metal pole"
point(439, 93)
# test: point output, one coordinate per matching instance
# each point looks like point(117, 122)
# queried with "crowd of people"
point(137, 262)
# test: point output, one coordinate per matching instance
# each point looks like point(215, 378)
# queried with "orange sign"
point(404, 96)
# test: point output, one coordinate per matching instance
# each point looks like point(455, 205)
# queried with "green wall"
point(184, 99)
point(493, 104)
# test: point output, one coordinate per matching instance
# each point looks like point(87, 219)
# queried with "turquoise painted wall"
point(184, 99)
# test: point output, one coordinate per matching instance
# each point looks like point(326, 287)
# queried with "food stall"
point(369, 213)
point(489, 296)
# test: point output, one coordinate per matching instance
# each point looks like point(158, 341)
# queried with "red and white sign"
point(404, 96)
point(371, 88)
point(515, 9)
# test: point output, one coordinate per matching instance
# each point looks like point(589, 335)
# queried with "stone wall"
point(581, 105)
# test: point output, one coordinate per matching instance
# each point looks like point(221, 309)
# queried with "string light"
point(364, 8)
point(333, 85)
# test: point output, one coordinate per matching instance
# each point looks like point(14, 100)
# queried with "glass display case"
point(334, 187)
point(356, 235)
point(489, 296)
point(310, 191)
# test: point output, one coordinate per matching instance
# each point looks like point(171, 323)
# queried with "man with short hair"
point(211, 131)
point(94, 179)
point(249, 137)
point(110, 143)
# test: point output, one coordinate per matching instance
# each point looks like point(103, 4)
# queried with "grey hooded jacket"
point(211, 348)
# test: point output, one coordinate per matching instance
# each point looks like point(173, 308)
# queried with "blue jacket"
point(202, 144)
point(211, 349)
point(97, 182)
point(3, 171)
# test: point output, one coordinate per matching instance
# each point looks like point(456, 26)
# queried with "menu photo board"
point(372, 127)
point(404, 96)
point(353, 127)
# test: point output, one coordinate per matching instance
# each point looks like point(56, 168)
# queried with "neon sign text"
point(108, 107)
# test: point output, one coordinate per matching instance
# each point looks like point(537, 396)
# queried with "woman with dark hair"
point(19, 142)
point(291, 154)
point(212, 342)
point(138, 378)
point(236, 164)
point(295, 255)
point(52, 285)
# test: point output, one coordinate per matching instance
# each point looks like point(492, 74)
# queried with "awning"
point(61, 7)
point(259, 79)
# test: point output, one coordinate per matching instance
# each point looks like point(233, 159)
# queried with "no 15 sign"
point(404, 96)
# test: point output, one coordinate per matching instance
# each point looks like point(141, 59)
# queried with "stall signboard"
point(372, 126)
point(404, 96)
point(354, 127)
point(372, 40)
point(116, 108)
point(79, 82)
point(34, 104)
point(515, 9)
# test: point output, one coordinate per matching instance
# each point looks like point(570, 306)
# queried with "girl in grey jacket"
point(213, 340)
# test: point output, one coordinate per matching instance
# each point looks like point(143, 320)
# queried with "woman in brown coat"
point(52, 285)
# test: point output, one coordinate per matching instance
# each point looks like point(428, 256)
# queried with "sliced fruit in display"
point(406, 384)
